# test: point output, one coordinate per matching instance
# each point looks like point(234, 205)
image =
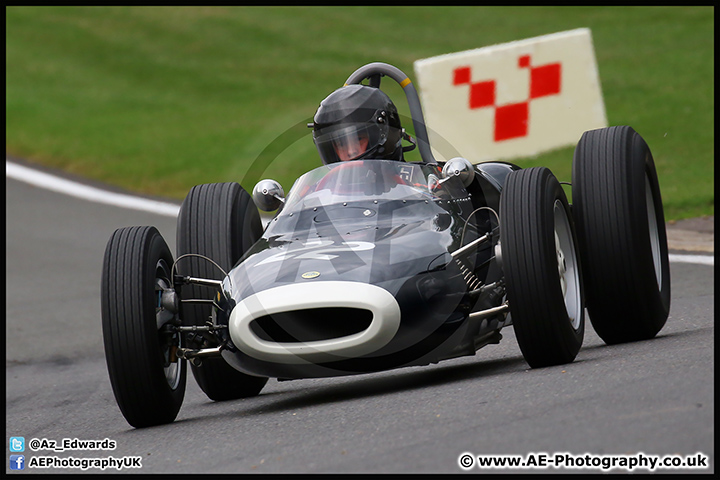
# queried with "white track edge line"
point(85, 192)
point(701, 259)
point(93, 194)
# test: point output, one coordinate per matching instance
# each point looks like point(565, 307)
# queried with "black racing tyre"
point(621, 230)
point(541, 267)
point(147, 378)
point(219, 221)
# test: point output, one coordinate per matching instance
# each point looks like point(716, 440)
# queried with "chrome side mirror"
point(460, 167)
point(268, 195)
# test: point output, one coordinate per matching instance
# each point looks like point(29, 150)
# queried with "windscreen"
point(363, 180)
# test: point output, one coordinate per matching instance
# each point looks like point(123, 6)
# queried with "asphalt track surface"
point(653, 398)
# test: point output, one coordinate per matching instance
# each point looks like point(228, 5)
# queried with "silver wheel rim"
point(653, 228)
point(172, 371)
point(567, 264)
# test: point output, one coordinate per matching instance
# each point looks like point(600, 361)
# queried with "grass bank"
point(158, 99)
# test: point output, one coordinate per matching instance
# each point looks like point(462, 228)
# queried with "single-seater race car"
point(376, 264)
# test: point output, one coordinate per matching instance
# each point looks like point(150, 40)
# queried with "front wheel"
point(541, 267)
point(147, 377)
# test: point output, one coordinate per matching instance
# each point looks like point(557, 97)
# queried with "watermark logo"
point(17, 444)
point(17, 462)
point(587, 461)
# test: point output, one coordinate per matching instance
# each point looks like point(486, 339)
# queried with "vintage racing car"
point(375, 264)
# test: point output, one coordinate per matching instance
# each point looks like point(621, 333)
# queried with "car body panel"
point(345, 231)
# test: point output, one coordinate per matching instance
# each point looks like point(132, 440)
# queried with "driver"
point(357, 122)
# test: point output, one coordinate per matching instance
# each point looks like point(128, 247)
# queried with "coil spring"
point(470, 278)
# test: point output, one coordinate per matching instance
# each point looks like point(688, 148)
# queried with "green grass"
point(158, 99)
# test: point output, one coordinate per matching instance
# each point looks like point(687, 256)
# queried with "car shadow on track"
point(399, 381)
point(663, 336)
point(298, 394)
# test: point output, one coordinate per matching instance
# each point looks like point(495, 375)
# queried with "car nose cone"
point(376, 303)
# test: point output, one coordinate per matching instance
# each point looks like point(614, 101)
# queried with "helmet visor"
point(339, 143)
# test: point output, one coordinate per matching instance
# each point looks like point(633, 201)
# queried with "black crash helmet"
point(357, 121)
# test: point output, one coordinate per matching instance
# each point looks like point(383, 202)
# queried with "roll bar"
point(374, 71)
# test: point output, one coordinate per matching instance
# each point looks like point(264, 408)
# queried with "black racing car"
point(376, 264)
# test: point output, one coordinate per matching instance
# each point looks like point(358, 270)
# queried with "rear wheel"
point(621, 232)
point(219, 221)
point(541, 267)
point(147, 377)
